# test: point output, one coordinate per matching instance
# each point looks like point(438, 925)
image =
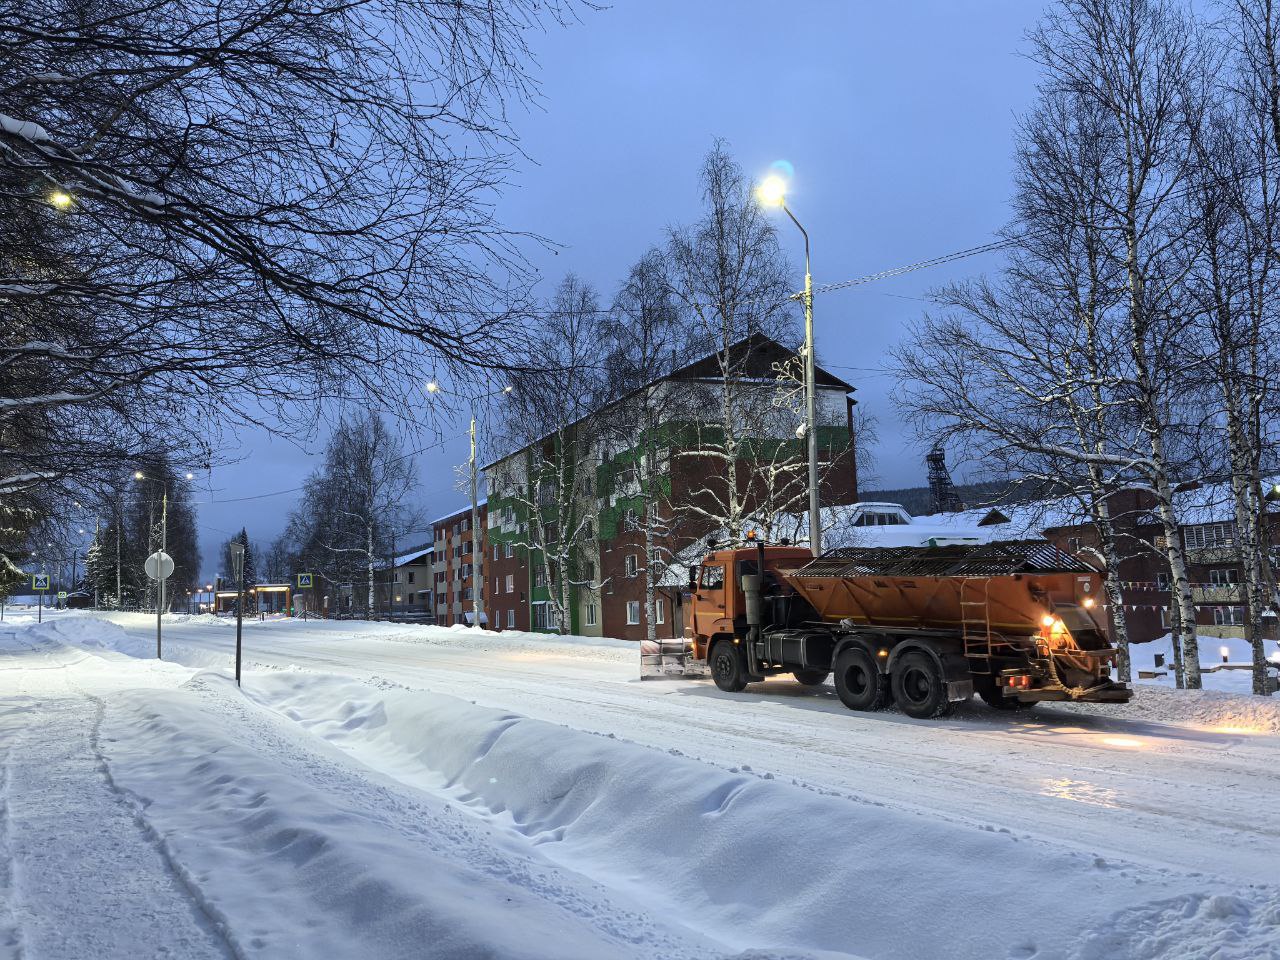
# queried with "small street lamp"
point(772, 192)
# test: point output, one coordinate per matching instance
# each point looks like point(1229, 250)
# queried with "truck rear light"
point(1019, 682)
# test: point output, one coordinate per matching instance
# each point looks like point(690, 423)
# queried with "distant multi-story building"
point(404, 585)
point(453, 561)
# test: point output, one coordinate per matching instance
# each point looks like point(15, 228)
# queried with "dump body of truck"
point(1017, 621)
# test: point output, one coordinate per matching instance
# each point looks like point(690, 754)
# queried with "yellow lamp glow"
point(772, 191)
point(433, 387)
point(60, 199)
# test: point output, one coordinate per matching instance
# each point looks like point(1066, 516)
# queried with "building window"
point(1203, 535)
point(633, 612)
point(540, 616)
point(632, 564)
point(1162, 580)
point(1224, 578)
point(510, 550)
point(511, 583)
point(411, 576)
point(659, 611)
point(1228, 616)
point(1073, 544)
point(495, 551)
point(539, 577)
point(588, 570)
point(511, 619)
point(591, 614)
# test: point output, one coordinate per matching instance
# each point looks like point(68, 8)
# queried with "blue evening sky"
point(897, 117)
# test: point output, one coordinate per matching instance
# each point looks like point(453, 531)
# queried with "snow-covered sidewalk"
point(353, 800)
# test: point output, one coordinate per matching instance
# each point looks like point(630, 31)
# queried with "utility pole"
point(477, 583)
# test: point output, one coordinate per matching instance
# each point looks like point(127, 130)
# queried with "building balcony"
point(1226, 594)
point(1222, 553)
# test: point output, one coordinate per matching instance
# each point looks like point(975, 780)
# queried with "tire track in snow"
point(67, 761)
point(215, 922)
point(10, 932)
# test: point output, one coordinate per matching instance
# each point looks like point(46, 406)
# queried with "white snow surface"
point(383, 790)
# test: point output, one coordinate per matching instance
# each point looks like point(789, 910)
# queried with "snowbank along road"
point(388, 791)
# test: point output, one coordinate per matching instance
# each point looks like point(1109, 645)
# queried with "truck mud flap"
point(670, 659)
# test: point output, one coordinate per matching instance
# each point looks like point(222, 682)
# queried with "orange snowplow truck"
point(1016, 622)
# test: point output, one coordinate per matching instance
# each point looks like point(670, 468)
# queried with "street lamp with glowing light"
point(60, 199)
point(772, 192)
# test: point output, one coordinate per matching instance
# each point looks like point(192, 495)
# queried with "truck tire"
point(919, 688)
point(810, 678)
point(727, 667)
point(858, 681)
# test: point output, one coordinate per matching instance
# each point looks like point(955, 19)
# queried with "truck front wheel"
point(727, 668)
point(858, 681)
point(919, 687)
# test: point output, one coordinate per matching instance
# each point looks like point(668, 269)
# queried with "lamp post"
point(477, 582)
point(773, 193)
point(237, 570)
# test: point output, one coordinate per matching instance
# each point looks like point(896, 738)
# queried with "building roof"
point(460, 512)
point(759, 346)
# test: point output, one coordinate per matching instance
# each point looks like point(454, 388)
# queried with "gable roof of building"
point(762, 352)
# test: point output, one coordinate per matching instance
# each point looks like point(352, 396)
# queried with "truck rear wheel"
point(810, 678)
point(727, 667)
point(919, 687)
point(858, 681)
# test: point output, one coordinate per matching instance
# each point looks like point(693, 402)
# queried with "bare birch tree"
point(551, 426)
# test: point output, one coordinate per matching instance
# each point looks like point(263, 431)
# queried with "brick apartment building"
point(453, 560)
point(607, 597)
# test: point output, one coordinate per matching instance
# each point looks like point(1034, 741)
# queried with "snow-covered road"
point(624, 818)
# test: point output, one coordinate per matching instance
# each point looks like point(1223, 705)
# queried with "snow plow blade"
point(1105, 693)
point(670, 659)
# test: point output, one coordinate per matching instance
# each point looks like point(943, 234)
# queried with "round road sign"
point(159, 566)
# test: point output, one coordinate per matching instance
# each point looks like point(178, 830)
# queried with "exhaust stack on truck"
point(1017, 622)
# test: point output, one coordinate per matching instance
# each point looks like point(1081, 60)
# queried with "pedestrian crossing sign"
point(304, 581)
point(39, 581)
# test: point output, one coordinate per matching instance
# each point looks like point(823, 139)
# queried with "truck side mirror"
point(693, 578)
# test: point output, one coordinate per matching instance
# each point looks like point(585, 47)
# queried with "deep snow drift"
point(352, 800)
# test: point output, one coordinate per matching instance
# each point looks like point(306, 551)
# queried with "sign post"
point(237, 570)
point(305, 581)
point(159, 567)
point(40, 584)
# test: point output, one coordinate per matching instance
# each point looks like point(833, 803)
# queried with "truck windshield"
point(712, 576)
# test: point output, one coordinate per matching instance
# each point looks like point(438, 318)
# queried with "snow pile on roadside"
point(1212, 709)
point(89, 633)
point(746, 858)
point(292, 851)
point(1190, 928)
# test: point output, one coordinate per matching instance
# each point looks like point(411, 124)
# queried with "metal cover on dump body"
point(995, 559)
